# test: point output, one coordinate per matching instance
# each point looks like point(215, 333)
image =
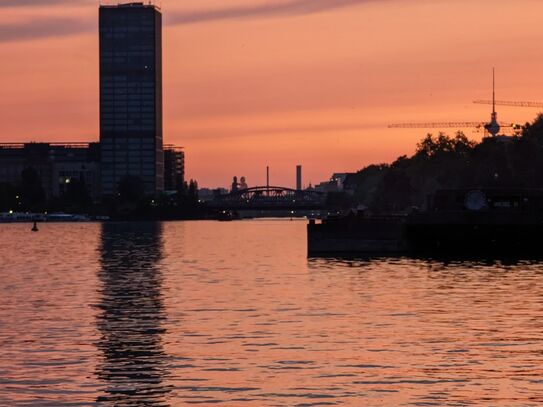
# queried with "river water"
point(234, 314)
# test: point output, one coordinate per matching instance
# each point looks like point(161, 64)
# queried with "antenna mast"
point(493, 90)
point(493, 127)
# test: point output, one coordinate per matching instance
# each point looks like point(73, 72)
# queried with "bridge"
point(269, 198)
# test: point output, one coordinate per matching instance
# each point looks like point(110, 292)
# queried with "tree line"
point(442, 162)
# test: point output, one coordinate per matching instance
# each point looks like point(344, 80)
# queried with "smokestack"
point(268, 177)
point(299, 177)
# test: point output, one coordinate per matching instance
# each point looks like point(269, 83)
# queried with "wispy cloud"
point(289, 8)
point(238, 133)
point(38, 3)
point(42, 28)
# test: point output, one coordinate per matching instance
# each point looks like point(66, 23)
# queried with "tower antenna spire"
point(493, 127)
point(493, 90)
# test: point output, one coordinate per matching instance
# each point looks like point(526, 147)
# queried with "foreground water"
point(235, 314)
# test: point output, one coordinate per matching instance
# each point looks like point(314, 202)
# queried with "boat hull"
point(356, 236)
point(478, 234)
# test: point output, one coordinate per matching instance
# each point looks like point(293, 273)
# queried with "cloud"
point(53, 27)
point(235, 132)
point(289, 8)
point(42, 28)
point(36, 3)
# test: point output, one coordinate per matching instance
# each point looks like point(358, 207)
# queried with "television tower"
point(493, 127)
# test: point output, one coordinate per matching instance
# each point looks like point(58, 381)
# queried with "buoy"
point(35, 227)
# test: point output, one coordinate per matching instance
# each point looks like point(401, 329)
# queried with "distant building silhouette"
point(335, 184)
point(298, 177)
point(235, 184)
point(56, 164)
point(131, 96)
point(208, 194)
point(131, 141)
point(174, 168)
point(243, 183)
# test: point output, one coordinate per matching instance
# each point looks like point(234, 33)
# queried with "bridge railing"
point(279, 197)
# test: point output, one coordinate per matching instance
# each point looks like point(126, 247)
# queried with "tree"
point(394, 192)
point(534, 130)
point(431, 146)
point(463, 145)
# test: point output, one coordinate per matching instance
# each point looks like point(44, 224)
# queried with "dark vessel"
point(227, 216)
point(502, 221)
point(357, 233)
point(467, 222)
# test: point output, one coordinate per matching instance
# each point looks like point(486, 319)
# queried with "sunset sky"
point(250, 83)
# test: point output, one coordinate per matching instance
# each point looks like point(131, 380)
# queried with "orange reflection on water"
point(234, 313)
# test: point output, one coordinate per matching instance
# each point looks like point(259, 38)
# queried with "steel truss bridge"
point(269, 198)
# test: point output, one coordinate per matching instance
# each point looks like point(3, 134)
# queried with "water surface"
point(234, 314)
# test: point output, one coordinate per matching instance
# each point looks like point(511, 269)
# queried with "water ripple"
point(234, 314)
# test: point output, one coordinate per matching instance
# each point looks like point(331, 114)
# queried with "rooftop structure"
point(117, 3)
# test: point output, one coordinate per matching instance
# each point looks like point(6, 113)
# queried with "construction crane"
point(458, 125)
point(434, 125)
point(493, 127)
point(508, 103)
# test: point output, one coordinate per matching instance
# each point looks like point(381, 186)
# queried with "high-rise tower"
point(131, 96)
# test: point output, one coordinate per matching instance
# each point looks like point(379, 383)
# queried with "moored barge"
point(475, 222)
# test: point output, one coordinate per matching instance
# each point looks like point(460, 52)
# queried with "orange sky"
point(250, 83)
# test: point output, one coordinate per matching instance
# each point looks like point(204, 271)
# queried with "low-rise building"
point(335, 184)
point(56, 164)
point(208, 194)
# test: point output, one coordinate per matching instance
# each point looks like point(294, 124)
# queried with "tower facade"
point(131, 96)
